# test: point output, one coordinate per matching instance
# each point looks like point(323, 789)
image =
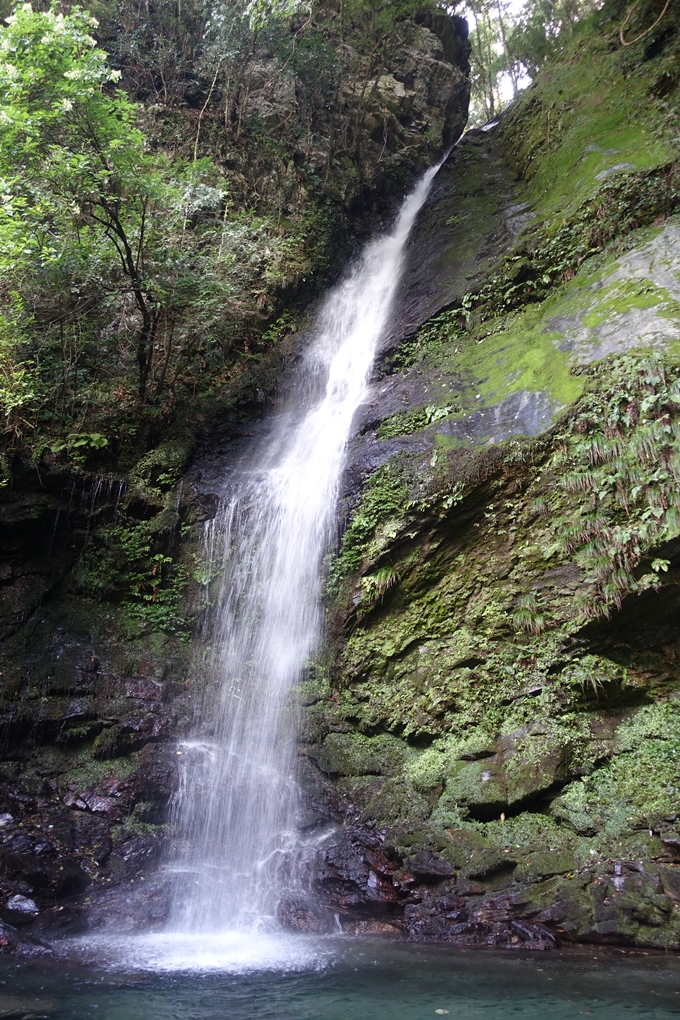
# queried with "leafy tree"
point(83, 201)
point(510, 47)
point(541, 24)
point(127, 273)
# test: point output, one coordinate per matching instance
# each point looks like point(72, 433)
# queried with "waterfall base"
point(233, 952)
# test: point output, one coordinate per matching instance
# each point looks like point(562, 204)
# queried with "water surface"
point(348, 979)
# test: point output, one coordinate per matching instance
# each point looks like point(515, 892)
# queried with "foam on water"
point(233, 952)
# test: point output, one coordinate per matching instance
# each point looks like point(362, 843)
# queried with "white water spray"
point(237, 803)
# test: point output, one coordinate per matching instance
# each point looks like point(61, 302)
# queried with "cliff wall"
point(103, 576)
point(498, 711)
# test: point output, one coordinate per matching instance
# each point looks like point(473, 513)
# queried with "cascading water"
point(236, 808)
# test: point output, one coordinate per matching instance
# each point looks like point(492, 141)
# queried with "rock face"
point(326, 125)
point(498, 713)
point(423, 88)
point(417, 102)
point(88, 712)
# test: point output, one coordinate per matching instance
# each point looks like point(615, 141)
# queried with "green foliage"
point(128, 560)
point(134, 278)
point(284, 325)
point(85, 209)
point(528, 616)
point(508, 45)
point(18, 381)
point(383, 500)
point(130, 550)
point(157, 584)
point(406, 422)
point(77, 444)
point(594, 676)
point(260, 12)
point(541, 28)
point(123, 272)
point(622, 454)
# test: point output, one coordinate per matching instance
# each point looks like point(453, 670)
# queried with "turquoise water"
point(342, 979)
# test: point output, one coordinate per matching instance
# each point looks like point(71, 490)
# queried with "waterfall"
point(236, 808)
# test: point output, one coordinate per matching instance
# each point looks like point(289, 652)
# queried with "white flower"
point(66, 105)
point(9, 69)
point(4, 119)
point(28, 8)
point(73, 74)
point(93, 22)
point(90, 41)
point(115, 75)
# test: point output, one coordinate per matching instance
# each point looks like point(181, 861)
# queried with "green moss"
point(88, 775)
point(393, 803)
point(530, 832)
point(580, 119)
point(528, 352)
point(660, 721)
point(158, 471)
point(639, 787)
point(406, 422)
point(371, 523)
point(508, 711)
point(521, 355)
point(351, 754)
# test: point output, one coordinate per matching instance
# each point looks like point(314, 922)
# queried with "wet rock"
point(426, 865)
point(52, 877)
point(475, 196)
point(22, 907)
point(372, 926)
point(304, 917)
point(12, 941)
point(491, 923)
point(90, 801)
point(145, 689)
point(362, 878)
point(356, 874)
point(670, 881)
point(9, 937)
point(131, 734)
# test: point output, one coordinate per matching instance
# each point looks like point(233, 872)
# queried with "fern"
point(623, 451)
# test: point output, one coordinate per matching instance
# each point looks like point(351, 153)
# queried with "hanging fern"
point(623, 451)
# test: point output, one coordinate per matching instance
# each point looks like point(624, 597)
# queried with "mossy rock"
point(352, 754)
point(544, 865)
